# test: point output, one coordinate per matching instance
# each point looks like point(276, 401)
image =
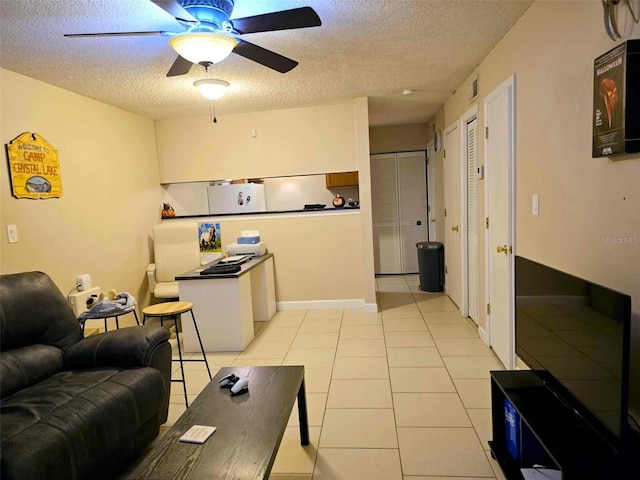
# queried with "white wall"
point(296, 141)
point(111, 195)
point(589, 222)
point(317, 255)
point(583, 200)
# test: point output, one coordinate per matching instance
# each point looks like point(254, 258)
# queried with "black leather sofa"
point(73, 407)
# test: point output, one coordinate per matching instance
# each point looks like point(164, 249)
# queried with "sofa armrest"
point(127, 347)
point(151, 276)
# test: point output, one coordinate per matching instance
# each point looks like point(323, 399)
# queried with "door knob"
point(433, 221)
point(454, 228)
point(502, 249)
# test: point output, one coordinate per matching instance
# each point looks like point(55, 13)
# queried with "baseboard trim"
point(484, 336)
point(328, 305)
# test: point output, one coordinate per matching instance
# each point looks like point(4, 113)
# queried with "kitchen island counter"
point(279, 212)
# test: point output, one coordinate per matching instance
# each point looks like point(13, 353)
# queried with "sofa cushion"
point(76, 418)
point(33, 311)
point(26, 366)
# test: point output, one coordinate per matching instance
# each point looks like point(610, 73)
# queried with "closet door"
point(473, 263)
point(412, 203)
point(384, 206)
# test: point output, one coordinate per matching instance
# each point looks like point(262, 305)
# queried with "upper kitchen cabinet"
point(344, 179)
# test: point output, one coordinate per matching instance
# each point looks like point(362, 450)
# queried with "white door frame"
point(431, 192)
point(468, 116)
point(485, 333)
point(455, 124)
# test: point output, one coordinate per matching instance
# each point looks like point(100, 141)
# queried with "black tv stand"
point(551, 432)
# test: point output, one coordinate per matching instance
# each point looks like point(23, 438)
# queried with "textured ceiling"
point(373, 48)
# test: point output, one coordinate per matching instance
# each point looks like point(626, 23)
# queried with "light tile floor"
point(397, 395)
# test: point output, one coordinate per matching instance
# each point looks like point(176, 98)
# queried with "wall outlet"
point(83, 282)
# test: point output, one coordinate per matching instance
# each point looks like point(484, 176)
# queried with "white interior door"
point(412, 202)
point(500, 175)
point(452, 255)
point(384, 206)
point(431, 192)
point(471, 272)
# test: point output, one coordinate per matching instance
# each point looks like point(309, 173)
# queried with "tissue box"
point(248, 240)
point(249, 237)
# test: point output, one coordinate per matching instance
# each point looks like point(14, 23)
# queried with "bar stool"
point(173, 310)
point(106, 316)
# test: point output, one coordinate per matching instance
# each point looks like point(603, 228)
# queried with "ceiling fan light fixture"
point(203, 47)
point(212, 89)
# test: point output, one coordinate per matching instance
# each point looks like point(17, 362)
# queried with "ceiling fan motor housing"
point(210, 12)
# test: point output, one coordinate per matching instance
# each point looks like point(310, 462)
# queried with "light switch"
point(12, 233)
point(536, 204)
point(254, 134)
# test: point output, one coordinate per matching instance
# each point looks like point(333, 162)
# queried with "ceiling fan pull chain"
point(212, 104)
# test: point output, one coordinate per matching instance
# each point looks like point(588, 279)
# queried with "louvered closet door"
point(384, 204)
point(412, 202)
point(472, 219)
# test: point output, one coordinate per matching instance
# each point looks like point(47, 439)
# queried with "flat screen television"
point(576, 335)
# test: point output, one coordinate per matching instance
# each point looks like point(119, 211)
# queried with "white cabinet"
point(399, 209)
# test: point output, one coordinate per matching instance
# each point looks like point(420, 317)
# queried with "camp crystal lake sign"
point(34, 167)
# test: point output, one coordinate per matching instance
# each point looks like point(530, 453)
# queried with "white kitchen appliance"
point(236, 198)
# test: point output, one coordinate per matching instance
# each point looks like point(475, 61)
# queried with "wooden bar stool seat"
point(172, 310)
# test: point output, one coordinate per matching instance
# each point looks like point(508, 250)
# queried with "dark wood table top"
point(249, 429)
point(244, 268)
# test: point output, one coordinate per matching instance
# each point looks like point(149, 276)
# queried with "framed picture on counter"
point(209, 238)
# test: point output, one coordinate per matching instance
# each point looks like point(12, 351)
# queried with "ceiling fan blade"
point(116, 34)
point(265, 57)
point(175, 9)
point(180, 67)
point(286, 19)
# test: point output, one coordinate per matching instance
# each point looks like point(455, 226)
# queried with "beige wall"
point(111, 198)
point(296, 141)
point(300, 141)
point(437, 124)
point(583, 201)
point(399, 138)
point(317, 256)
point(364, 180)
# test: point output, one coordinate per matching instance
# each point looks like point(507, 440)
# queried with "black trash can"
point(431, 266)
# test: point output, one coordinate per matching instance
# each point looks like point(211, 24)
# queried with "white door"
point(500, 193)
point(412, 203)
point(431, 192)
point(470, 266)
point(452, 213)
point(384, 210)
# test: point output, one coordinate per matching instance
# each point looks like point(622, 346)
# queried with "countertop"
point(324, 210)
point(244, 268)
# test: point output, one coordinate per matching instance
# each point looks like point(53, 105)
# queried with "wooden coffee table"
point(249, 428)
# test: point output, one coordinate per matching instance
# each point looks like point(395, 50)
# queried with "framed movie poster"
point(608, 102)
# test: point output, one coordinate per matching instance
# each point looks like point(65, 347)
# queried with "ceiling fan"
point(207, 23)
